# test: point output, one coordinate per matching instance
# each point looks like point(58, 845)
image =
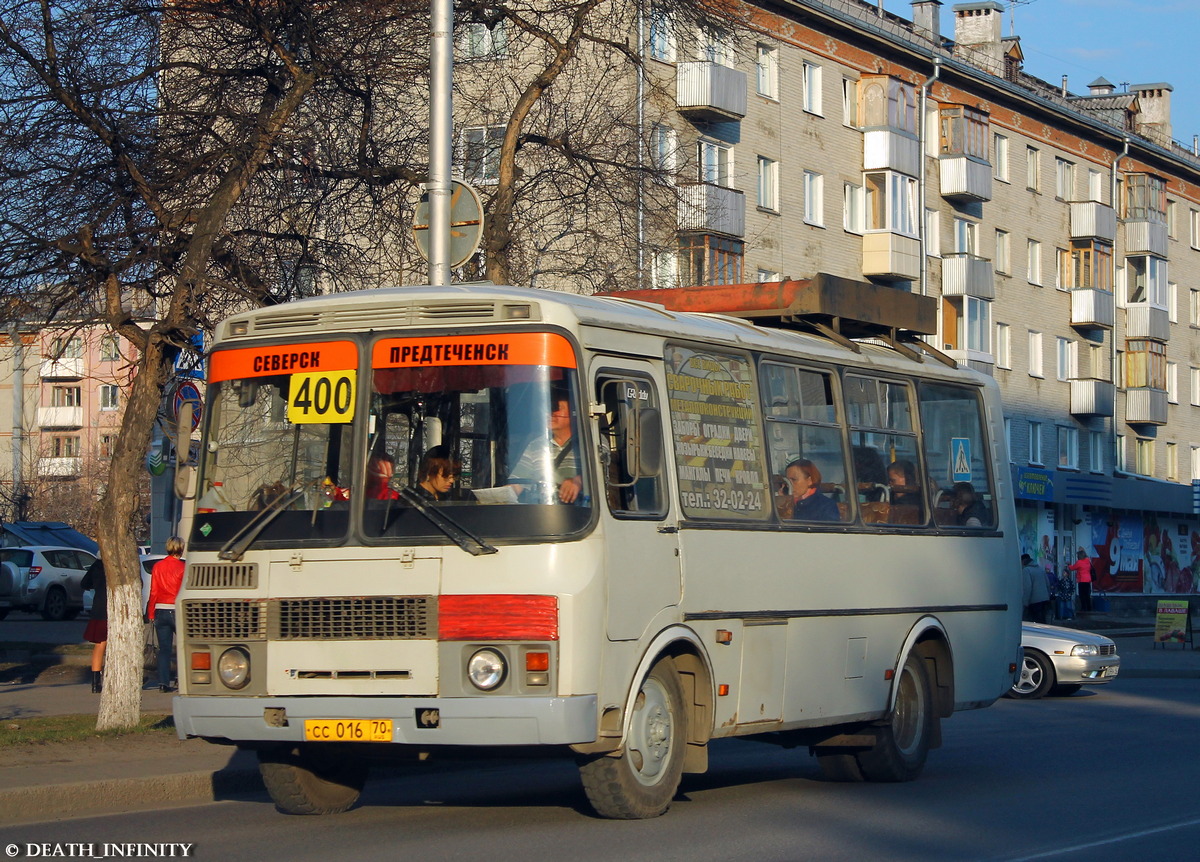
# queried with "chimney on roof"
point(1154, 116)
point(1101, 87)
point(978, 31)
point(927, 18)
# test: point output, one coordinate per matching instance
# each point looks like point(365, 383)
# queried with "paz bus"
point(754, 530)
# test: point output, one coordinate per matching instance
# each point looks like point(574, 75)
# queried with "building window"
point(1146, 198)
point(1194, 307)
point(1173, 382)
point(715, 45)
point(814, 198)
point(1097, 365)
point(477, 41)
point(891, 202)
point(1172, 462)
point(1034, 262)
point(1068, 359)
point(1003, 346)
point(715, 163)
point(933, 233)
point(707, 259)
point(768, 275)
point(812, 88)
point(1143, 451)
point(1145, 364)
point(887, 103)
point(1194, 381)
point(1035, 442)
point(849, 102)
point(662, 35)
point(1033, 166)
point(1195, 463)
point(65, 447)
point(1095, 185)
point(1172, 302)
point(1120, 461)
point(107, 443)
point(767, 71)
point(1064, 180)
point(966, 236)
point(1035, 354)
point(768, 183)
point(963, 132)
point(66, 396)
point(481, 154)
point(854, 218)
point(968, 324)
point(662, 148)
point(1096, 451)
point(1171, 231)
point(1068, 448)
point(1147, 280)
point(1091, 264)
point(1062, 268)
point(1194, 227)
point(110, 348)
point(110, 396)
point(66, 347)
point(1002, 258)
point(1000, 157)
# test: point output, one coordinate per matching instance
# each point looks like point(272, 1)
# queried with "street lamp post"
point(441, 123)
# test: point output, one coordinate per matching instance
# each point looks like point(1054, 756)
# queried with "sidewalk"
point(47, 782)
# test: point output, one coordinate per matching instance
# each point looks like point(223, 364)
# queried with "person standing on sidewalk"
point(1082, 569)
point(97, 627)
point(1037, 591)
point(165, 579)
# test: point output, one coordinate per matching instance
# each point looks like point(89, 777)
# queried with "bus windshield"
point(300, 449)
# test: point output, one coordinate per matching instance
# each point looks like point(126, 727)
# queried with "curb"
point(76, 799)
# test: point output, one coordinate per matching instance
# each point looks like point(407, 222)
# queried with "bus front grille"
point(362, 618)
point(242, 620)
point(235, 576)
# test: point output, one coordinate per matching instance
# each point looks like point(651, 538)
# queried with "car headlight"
point(1085, 650)
point(233, 668)
point(486, 669)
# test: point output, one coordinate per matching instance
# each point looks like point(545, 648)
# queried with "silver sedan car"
point(1061, 661)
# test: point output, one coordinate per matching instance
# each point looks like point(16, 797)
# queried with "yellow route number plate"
point(321, 396)
point(348, 730)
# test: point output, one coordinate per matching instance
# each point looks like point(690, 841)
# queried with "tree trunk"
point(120, 703)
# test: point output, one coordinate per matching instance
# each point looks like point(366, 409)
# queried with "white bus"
point(608, 527)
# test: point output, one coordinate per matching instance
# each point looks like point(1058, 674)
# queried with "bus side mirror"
point(184, 472)
point(645, 443)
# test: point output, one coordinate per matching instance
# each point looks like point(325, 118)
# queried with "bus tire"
point(301, 781)
point(640, 781)
point(902, 741)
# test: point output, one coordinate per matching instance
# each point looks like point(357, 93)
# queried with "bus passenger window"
point(956, 456)
point(886, 454)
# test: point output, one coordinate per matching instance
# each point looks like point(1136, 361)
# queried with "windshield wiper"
point(236, 547)
point(459, 534)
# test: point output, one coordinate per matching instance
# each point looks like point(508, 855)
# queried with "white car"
point(1062, 660)
point(45, 579)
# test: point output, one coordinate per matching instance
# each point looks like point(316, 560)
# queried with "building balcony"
point(709, 91)
point(890, 150)
point(1145, 237)
point(1147, 321)
point(1093, 220)
point(61, 369)
point(984, 363)
point(967, 275)
point(59, 467)
point(712, 209)
point(965, 179)
point(1092, 397)
point(60, 417)
point(891, 256)
point(1092, 307)
point(1145, 406)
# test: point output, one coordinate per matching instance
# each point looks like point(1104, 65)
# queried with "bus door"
point(642, 551)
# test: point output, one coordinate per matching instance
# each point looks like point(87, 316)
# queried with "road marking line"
point(1114, 840)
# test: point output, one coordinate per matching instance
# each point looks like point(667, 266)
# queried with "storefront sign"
point(1035, 485)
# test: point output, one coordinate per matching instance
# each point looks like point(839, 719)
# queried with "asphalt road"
point(1102, 775)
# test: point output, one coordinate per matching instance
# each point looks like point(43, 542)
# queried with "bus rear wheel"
point(902, 742)
point(302, 780)
point(641, 780)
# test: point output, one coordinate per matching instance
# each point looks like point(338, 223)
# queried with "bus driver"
point(551, 455)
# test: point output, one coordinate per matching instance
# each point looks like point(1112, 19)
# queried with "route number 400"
point(321, 396)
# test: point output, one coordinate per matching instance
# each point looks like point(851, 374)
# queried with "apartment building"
point(1059, 234)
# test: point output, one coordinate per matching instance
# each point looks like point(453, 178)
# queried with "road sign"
point(960, 459)
point(185, 391)
point(466, 223)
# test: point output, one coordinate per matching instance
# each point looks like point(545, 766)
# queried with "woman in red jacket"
point(1082, 569)
point(165, 578)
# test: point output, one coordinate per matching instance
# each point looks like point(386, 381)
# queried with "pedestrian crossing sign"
point(960, 459)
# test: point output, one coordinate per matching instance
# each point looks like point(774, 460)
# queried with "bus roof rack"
point(837, 308)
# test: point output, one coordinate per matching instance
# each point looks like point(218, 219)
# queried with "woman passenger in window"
point(902, 484)
point(436, 476)
point(808, 503)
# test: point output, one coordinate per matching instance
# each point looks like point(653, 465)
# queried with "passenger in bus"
point(550, 457)
point(869, 474)
point(904, 493)
point(380, 468)
point(968, 509)
point(808, 503)
point(436, 475)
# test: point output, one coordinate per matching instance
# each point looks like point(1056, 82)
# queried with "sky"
point(1125, 41)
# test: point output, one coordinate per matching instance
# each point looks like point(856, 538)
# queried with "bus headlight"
point(486, 669)
point(233, 668)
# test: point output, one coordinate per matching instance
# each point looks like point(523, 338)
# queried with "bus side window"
point(956, 455)
point(630, 435)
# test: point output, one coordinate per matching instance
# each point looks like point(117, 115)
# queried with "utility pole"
point(441, 126)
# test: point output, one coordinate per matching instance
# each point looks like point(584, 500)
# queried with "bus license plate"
point(348, 730)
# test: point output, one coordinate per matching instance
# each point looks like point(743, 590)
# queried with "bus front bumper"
point(414, 721)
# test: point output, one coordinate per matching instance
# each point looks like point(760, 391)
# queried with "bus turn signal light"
point(201, 661)
point(537, 661)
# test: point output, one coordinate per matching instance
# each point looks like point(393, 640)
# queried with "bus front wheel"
point(903, 740)
point(640, 781)
point(302, 780)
